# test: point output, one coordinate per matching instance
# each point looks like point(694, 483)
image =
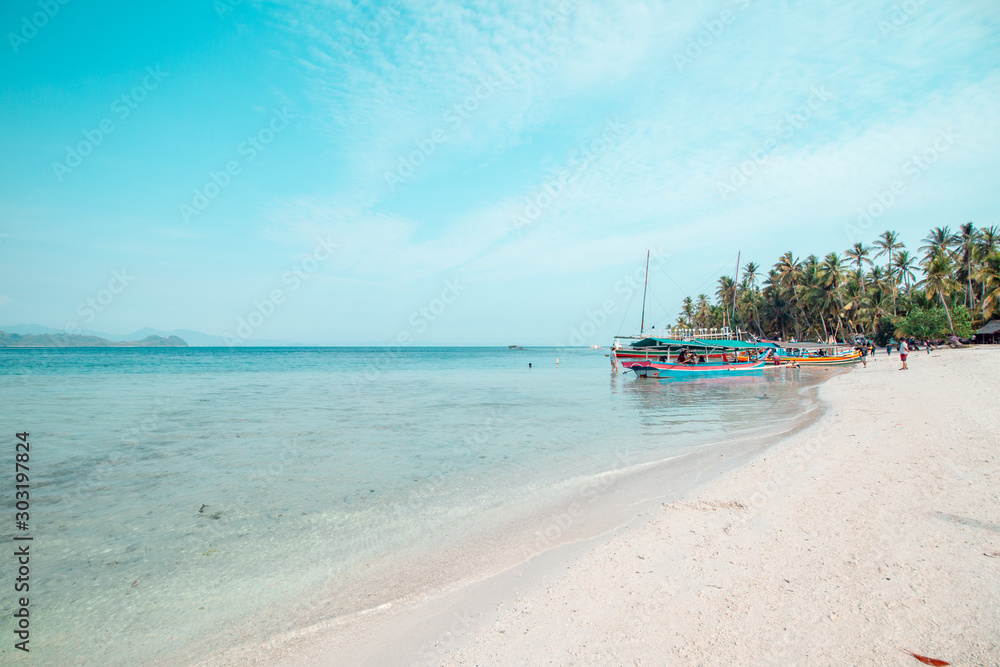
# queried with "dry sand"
point(876, 529)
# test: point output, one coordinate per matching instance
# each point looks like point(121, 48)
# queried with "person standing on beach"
point(864, 356)
point(927, 343)
point(903, 350)
point(888, 349)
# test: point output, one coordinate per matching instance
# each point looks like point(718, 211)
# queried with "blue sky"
point(468, 173)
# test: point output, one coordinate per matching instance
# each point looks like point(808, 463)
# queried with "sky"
point(468, 173)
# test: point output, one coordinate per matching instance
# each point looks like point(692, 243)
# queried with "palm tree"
point(905, 263)
point(687, 310)
point(703, 312)
point(887, 244)
point(989, 243)
point(725, 293)
point(988, 275)
point(858, 254)
point(940, 240)
point(989, 240)
point(967, 240)
point(831, 275)
point(940, 283)
point(788, 270)
point(853, 302)
point(776, 304)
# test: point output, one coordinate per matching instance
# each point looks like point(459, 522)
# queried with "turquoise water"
point(311, 464)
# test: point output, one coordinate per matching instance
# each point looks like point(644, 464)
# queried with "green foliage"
point(924, 323)
point(962, 320)
point(884, 330)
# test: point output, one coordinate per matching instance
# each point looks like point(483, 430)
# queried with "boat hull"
point(658, 370)
point(838, 360)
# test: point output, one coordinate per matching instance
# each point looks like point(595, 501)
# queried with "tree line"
point(880, 291)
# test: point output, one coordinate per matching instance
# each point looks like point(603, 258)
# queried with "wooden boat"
point(811, 354)
point(675, 370)
point(662, 357)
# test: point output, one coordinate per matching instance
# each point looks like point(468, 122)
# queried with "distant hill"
point(192, 338)
point(74, 340)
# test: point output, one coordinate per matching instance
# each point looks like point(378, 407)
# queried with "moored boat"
point(662, 357)
point(675, 370)
point(812, 354)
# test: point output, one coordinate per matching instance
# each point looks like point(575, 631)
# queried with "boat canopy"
point(727, 344)
point(696, 343)
point(659, 342)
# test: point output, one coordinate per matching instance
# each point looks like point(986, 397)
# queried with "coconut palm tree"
point(725, 293)
point(988, 275)
point(905, 264)
point(853, 302)
point(777, 306)
point(968, 237)
point(888, 243)
point(939, 282)
point(703, 312)
point(858, 255)
point(686, 316)
point(789, 270)
point(940, 240)
point(989, 240)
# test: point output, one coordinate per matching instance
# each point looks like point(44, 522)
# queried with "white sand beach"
point(874, 531)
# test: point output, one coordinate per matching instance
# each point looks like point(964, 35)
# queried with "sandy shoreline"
point(860, 536)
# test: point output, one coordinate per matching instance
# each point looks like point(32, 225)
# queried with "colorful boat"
point(811, 354)
point(674, 370)
point(662, 357)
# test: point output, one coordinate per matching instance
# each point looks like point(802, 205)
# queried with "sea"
point(179, 495)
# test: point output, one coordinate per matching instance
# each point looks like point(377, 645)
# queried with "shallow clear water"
point(310, 464)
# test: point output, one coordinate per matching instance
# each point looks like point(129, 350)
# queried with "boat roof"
point(652, 342)
point(729, 344)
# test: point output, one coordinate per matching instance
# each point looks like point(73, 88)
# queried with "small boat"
point(811, 354)
point(674, 370)
point(661, 357)
point(514, 347)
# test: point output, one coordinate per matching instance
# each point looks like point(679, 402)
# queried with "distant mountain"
point(192, 338)
point(75, 340)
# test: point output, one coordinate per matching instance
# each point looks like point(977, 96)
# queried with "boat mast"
point(736, 280)
point(642, 322)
